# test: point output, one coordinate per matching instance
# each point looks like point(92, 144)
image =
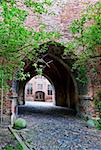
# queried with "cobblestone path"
point(7, 139)
point(53, 128)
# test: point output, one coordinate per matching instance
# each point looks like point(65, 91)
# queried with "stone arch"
point(59, 73)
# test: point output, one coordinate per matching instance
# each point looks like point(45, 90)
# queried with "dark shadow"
point(45, 110)
point(58, 71)
point(39, 96)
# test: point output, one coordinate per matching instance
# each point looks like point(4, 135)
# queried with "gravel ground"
point(53, 128)
point(6, 138)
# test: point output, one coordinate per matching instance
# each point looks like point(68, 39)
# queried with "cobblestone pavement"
point(53, 128)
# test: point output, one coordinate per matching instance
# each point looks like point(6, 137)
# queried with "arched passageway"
point(39, 89)
point(59, 73)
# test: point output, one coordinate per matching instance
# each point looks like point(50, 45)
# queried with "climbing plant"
point(98, 106)
point(86, 40)
point(17, 41)
point(38, 7)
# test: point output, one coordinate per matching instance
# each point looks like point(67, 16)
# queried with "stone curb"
point(24, 146)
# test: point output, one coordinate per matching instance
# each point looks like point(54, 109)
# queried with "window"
point(30, 88)
point(49, 89)
point(39, 86)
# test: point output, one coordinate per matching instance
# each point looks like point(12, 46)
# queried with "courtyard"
point(56, 128)
point(59, 42)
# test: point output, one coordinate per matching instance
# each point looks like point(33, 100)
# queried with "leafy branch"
point(86, 33)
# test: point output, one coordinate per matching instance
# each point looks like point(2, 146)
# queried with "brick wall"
point(65, 11)
point(7, 106)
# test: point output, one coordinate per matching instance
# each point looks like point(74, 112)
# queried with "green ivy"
point(98, 105)
point(86, 37)
point(38, 7)
point(17, 42)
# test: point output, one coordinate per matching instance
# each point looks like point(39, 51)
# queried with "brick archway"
point(59, 73)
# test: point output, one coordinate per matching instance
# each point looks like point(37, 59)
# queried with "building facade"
point(39, 89)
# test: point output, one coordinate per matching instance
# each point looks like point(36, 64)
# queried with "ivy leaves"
point(86, 33)
point(17, 42)
point(38, 7)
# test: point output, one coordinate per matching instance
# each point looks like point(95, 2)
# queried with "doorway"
point(39, 96)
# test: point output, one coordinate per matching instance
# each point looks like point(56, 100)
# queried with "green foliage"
point(12, 36)
point(9, 147)
point(17, 42)
point(98, 124)
point(38, 7)
point(86, 33)
point(98, 105)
